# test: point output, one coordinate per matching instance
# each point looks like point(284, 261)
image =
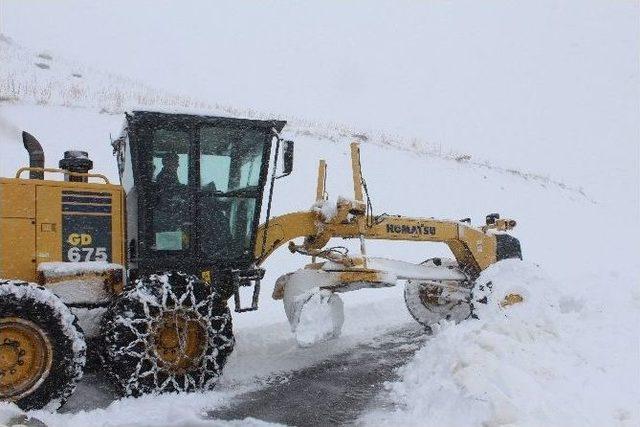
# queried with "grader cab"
point(139, 274)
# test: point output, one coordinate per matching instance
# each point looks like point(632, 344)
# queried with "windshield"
point(230, 159)
point(230, 169)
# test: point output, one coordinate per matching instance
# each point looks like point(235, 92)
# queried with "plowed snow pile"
point(531, 363)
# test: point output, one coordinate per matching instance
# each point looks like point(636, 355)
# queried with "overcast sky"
point(550, 86)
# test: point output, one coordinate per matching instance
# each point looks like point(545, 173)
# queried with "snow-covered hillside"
point(40, 77)
point(568, 356)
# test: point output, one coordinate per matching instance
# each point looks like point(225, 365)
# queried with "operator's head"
point(170, 161)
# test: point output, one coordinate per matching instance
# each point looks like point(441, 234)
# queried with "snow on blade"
point(320, 317)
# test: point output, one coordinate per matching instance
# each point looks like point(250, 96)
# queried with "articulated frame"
point(474, 248)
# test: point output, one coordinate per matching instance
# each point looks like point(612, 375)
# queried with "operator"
point(170, 203)
point(168, 176)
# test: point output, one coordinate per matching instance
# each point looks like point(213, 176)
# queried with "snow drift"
point(524, 364)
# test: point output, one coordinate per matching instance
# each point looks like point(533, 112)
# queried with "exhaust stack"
point(36, 155)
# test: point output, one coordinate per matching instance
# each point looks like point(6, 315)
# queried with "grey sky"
point(543, 85)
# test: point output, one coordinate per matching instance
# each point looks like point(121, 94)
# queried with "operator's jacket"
point(172, 207)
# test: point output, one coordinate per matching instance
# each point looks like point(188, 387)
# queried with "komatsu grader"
point(139, 274)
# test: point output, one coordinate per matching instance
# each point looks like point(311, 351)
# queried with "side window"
point(170, 157)
point(122, 150)
point(171, 200)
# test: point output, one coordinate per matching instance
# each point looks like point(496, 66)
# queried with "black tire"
point(42, 309)
point(129, 330)
point(429, 303)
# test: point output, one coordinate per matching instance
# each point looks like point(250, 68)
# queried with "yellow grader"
point(139, 274)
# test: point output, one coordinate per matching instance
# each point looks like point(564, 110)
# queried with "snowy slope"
point(585, 247)
point(40, 77)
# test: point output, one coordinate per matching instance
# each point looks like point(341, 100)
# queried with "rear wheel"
point(170, 333)
point(42, 348)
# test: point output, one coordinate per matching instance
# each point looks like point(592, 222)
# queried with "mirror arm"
point(272, 185)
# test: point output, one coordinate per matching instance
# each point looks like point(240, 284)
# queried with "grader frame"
point(474, 248)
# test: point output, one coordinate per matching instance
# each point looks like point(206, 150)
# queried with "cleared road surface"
point(333, 392)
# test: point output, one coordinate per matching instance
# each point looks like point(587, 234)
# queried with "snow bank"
point(522, 364)
point(39, 78)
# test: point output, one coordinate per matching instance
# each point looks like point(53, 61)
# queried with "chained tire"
point(42, 348)
point(171, 333)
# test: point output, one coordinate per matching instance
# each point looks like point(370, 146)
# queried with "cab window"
point(171, 200)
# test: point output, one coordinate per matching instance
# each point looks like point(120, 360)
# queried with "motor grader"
point(139, 273)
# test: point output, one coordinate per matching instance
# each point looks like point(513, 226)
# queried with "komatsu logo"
point(410, 229)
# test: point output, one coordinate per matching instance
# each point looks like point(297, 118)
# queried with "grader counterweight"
point(139, 273)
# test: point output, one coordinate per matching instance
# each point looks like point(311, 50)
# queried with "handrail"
point(65, 172)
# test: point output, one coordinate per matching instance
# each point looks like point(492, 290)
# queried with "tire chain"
point(141, 328)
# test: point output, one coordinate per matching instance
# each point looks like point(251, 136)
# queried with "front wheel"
point(172, 332)
point(430, 302)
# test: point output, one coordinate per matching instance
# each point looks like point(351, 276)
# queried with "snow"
point(163, 411)
point(71, 84)
point(561, 230)
point(76, 282)
point(568, 354)
point(89, 319)
point(315, 314)
point(406, 270)
point(62, 269)
point(524, 364)
point(320, 317)
point(328, 209)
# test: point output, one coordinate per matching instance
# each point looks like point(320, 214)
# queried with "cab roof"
point(156, 116)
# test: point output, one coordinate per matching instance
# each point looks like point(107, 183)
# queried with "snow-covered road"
point(335, 391)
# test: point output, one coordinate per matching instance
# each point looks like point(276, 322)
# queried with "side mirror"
point(287, 158)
